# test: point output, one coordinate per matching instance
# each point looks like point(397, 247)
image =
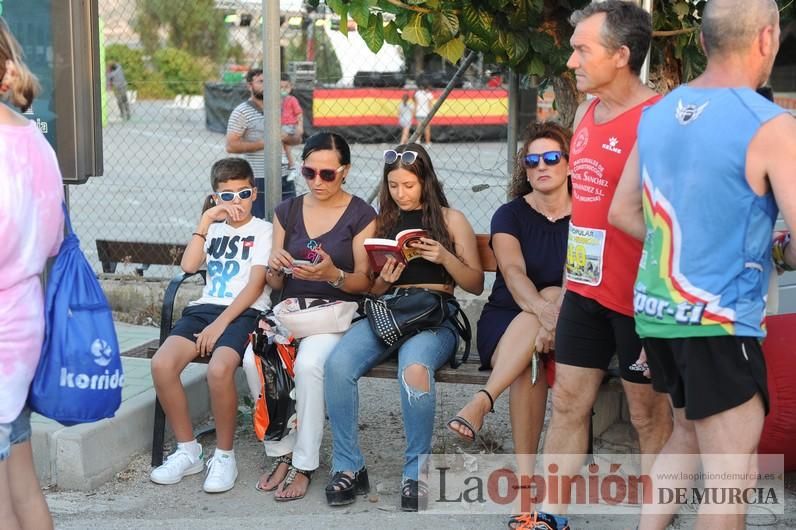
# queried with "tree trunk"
point(666, 77)
point(567, 98)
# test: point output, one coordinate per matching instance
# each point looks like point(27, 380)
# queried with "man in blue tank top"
point(714, 161)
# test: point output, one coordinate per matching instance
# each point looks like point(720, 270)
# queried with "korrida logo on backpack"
point(79, 378)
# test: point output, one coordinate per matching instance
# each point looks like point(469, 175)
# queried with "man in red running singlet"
point(610, 42)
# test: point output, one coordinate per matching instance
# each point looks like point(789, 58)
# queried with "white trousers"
point(305, 441)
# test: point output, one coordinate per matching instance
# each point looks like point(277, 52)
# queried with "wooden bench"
point(111, 253)
point(467, 373)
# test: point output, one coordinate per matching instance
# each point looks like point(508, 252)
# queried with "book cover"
point(400, 248)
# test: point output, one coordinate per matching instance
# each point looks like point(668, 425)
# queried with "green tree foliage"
point(196, 27)
point(530, 36)
point(183, 73)
point(141, 77)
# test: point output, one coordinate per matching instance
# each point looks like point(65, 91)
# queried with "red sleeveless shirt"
point(601, 260)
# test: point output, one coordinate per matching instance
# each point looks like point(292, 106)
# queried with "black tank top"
point(418, 270)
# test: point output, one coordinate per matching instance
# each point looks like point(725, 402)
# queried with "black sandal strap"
point(342, 480)
point(413, 487)
point(491, 401)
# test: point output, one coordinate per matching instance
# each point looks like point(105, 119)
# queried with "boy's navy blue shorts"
point(195, 318)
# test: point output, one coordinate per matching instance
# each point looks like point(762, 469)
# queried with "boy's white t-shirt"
point(231, 253)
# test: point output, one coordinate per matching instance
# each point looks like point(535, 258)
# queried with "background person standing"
point(246, 136)
point(424, 102)
point(118, 84)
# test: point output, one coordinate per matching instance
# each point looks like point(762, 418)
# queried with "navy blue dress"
point(544, 248)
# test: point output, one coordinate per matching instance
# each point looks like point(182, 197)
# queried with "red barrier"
point(779, 348)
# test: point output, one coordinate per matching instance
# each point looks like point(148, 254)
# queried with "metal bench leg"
point(158, 433)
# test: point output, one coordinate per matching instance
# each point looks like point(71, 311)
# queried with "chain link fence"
point(184, 62)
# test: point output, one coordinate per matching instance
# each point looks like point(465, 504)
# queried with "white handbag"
point(313, 316)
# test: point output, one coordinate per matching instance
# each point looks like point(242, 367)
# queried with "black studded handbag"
point(408, 311)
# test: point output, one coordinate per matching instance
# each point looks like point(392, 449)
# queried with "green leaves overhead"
point(373, 32)
point(452, 50)
point(478, 21)
point(532, 36)
point(341, 8)
point(506, 31)
point(360, 11)
point(444, 26)
point(416, 32)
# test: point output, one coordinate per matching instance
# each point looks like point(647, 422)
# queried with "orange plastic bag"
point(275, 410)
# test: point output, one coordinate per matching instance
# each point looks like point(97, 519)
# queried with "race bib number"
point(585, 255)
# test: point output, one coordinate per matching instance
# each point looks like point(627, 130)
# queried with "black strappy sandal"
point(462, 421)
point(414, 495)
point(284, 459)
point(291, 476)
point(343, 489)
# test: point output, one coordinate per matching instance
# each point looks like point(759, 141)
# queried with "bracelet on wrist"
point(339, 281)
point(203, 236)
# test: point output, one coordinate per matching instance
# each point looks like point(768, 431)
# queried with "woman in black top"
point(325, 228)
point(410, 197)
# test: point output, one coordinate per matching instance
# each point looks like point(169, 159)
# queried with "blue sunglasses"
point(551, 158)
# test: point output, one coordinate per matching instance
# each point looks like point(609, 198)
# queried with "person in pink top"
point(292, 119)
point(31, 228)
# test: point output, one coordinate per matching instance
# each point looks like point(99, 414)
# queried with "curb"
point(84, 456)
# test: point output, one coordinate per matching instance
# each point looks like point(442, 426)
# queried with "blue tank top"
point(707, 255)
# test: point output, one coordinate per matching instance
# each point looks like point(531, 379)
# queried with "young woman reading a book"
point(517, 325)
point(327, 228)
point(411, 196)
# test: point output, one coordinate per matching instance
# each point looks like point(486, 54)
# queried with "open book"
point(400, 248)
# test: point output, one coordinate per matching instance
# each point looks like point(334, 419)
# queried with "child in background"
point(292, 120)
point(424, 102)
point(405, 114)
point(236, 246)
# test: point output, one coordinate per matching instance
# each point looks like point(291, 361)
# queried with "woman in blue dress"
point(517, 325)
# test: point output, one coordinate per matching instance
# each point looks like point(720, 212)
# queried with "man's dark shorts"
point(195, 318)
point(589, 334)
point(288, 192)
point(708, 375)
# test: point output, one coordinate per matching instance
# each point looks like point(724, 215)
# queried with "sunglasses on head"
point(391, 156)
point(229, 196)
point(328, 175)
point(550, 158)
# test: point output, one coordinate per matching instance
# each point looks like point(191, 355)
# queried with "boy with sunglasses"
point(235, 247)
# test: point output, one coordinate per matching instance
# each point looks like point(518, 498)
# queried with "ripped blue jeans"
point(357, 352)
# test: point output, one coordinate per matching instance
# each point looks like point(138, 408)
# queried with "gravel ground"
point(132, 501)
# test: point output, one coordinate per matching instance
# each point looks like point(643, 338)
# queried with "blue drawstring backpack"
point(79, 378)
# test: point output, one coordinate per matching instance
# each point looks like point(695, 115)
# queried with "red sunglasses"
point(328, 175)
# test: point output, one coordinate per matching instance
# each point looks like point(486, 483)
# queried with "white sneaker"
point(179, 464)
point(222, 471)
